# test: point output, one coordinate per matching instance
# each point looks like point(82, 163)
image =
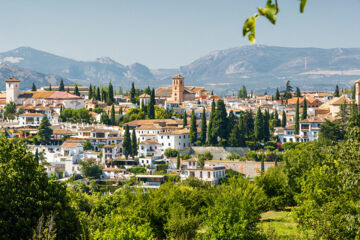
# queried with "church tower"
point(12, 90)
point(177, 93)
point(357, 92)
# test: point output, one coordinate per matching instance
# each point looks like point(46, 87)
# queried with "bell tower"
point(12, 90)
point(357, 92)
point(177, 93)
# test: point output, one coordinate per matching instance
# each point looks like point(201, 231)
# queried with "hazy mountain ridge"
point(258, 67)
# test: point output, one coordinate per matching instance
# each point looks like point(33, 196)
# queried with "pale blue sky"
point(169, 33)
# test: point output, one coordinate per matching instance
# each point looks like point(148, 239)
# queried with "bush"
point(187, 156)
point(208, 156)
point(233, 156)
point(170, 152)
point(137, 170)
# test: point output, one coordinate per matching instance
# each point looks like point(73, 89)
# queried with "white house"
point(178, 139)
point(149, 148)
point(30, 119)
point(207, 173)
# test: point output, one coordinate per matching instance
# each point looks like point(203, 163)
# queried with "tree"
point(105, 119)
point(220, 121)
point(242, 131)
point(270, 12)
point(242, 92)
point(184, 120)
point(304, 110)
point(288, 90)
point(134, 145)
point(283, 120)
point(297, 124)
point(61, 86)
point(298, 92)
point(259, 124)
point(76, 91)
point(112, 115)
point(331, 132)
point(127, 143)
point(231, 122)
point(337, 92)
point(132, 93)
point(266, 127)
point(203, 127)
point(277, 94)
point(343, 114)
point(90, 169)
point(87, 145)
point(98, 95)
point(37, 159)
point(50, 89)
point(353, 92)
point(193, 128)
point(178, 163)
point(10, 110)
point(211, 137)
point(33, 88)
point(44, 131)
point(151, 110)
point(235, 135)
point(170, 152)
point(110, 97)
point(27, 196)
point(90, 92)
point(208, 155)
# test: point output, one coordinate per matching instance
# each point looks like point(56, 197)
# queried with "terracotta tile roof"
point(71, 144)
point(144, 95)
point(150, 142)
point(31, 114)
point(176, 132)
point(63, 96)
point(39, 94)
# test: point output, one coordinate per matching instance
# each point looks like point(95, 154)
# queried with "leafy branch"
point(270, 12)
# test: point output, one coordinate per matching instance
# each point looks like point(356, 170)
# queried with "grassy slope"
point(280, 225)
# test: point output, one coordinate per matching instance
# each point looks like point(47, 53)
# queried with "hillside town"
point(183, 131)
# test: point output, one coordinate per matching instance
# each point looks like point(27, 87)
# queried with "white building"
point(12, 90)
point(209, 173)
point(149, 148)
point(30, 119)
point(178, 139)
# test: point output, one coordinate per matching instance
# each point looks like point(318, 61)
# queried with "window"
point(184, 136)
point(200, 174)
point(179, 137)
point(168, 137)
point(169, 144)
point(208, 174)
point(161, 137)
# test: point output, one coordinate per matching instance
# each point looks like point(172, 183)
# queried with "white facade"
point(12, 90)
point(177, 139)
point(208, 173)
point(30, 119)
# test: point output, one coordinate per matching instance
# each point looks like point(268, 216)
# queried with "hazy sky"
point(169, 33)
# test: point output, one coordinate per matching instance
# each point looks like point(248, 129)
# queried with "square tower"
point(177, 93)
point(12, 90)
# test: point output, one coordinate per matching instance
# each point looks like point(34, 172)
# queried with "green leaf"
point(249, 28)
point(302, 5)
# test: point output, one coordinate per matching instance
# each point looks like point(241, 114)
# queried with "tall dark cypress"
point(112, 115)
point(76, 91)
point(61, 86)
point(211, 137)
point(132, 93)
point(134, 145)
point(220, 121)
point(98, 95)
point(127, 143)
point(283, 119)
point(297, 130)
point(50, 89)
point(33, 88)
point(258, 128)
point(298, 92)
point(151, 111)
point(277, 94)
point(90, 92)
point(231, 122)
point(337, 92)
point(203, 127)
point(193, 128)
point(234, 138)
point(266, 127)
point(304, 110)
point(110, 95)
point(184, 120)
point(242, 131)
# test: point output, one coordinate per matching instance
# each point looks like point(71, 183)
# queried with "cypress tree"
point(184, 120)
point(230, 122)
point(76, 92)
point(283, 120)
point(142, 105)
point(212, 138)
point(242, 131)
point(258, 128)
point(276, 119)
point(120, 111)
point(248, 123)
point(90, 93)
point(353, 92)
point(120, 91)
point(178, 161)
point(262, 164)
point(68, 90)
point(337, 92)
point(127, 143)
point(134, 145)
point(44, 131)
point(33, 88)
point(203, 128)
point(37, 156)
point(151, 111)
point(132, 93)
point(304, 110)
point(234, 138)
point(110, 97)
point(98, 95)
point(220, 122)
point(298, 92)
point(354, 119)
point(266, 128)
point(193, 129)
point(244, 91)
point(50, 89)
point(297, 118)
point(61, 86)
point(112, 115)
point(277, 94)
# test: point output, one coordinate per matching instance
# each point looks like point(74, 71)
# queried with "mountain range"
point(258, 67)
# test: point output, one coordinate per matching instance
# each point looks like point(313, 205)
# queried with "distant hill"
point(258, 67)
point(28, 77)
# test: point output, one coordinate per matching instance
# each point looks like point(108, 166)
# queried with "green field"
point(280, 225)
